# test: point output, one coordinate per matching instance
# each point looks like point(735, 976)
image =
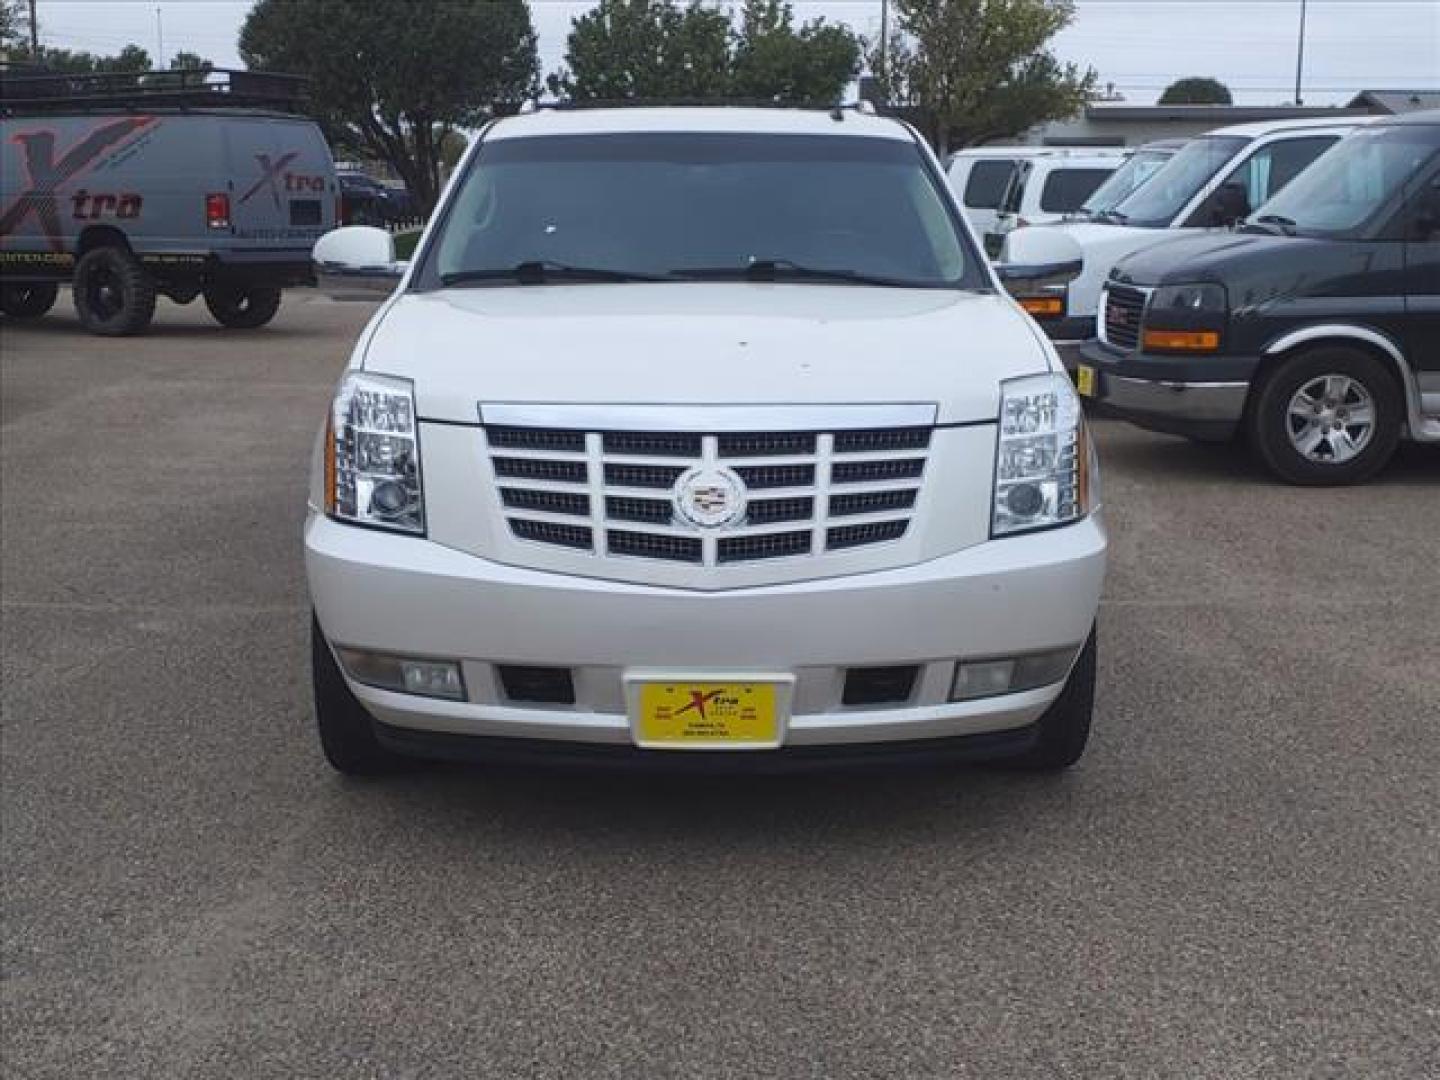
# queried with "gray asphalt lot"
point(1241, 879)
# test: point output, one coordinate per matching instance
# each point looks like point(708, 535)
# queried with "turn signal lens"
point(1183, 340)
point(1042, 306)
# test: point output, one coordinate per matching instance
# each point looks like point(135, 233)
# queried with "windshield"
point(705, 206)
point(1174, 184)
point(1140, 166)
point(1347, 187)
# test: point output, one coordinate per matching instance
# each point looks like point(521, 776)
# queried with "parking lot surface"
point(1241, 879)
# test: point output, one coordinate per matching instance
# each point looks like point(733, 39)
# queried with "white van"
point(1214, 182)
point(979, 177)
point(1049, 188)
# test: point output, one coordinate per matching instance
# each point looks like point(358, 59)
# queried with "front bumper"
point(411, 596)
point(1200, 398)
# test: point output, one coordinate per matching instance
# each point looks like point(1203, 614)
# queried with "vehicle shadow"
point(717, 810)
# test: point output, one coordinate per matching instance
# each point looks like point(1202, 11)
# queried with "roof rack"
point(692, 103)
point(217, 88)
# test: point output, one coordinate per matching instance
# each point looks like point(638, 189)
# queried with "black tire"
point(114, 295)
point(347, 733)
point(27, 301)
point(1271, 423)
point(1065, 727)
point(242, 308)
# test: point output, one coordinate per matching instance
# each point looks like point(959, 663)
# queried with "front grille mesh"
point(1124, 310)
point(611, 493)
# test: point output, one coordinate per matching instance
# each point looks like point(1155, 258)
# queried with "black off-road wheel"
point(1065, 727)
point(242, 308)
point(347, 734)
point(1327, 417)
point(27, 301)
point(114, 294)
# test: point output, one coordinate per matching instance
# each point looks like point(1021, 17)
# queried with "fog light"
point(1010, 675)
point(404, 674)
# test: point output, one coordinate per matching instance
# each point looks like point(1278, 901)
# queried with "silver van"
point(176, 184)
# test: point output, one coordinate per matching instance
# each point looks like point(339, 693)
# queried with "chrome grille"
point(1124, 309)
point(611, 493)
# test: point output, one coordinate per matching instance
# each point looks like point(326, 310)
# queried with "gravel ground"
point(1241, 879)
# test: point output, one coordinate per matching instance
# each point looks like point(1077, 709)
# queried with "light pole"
point(1300, 56)
point(34, 34)
point(884, 28)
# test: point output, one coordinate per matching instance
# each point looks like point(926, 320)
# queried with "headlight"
point(1044, 463)
point(372, 454)
point(1174, 299)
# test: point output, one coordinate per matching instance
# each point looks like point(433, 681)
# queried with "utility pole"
point(1300, 56)
point(159, 41)
point(884, 35)
point(34, 34)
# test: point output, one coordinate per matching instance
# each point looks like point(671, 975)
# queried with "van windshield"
point(1155, 204)
point(1342, 192)
point(1138, 168)
point(701, 206)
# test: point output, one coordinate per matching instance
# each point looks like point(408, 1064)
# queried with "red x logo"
point(269, 173)
point(45, 175)
point(698, 700)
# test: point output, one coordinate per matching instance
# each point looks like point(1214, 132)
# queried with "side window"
point(1015, 189)
point(1272, 167)
point(1066, 190)
point(987, 183)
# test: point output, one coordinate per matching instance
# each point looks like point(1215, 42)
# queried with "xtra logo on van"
point(45, 175)
point(273, 178)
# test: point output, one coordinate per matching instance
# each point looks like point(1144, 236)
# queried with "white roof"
point(1270, 127)
point(682, 120)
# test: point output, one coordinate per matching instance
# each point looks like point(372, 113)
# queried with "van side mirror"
point(1229, 203)
point(357, 262)
point(1038, 256)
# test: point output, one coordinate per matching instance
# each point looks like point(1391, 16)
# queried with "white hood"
point(705, 343)
point(1102, 247)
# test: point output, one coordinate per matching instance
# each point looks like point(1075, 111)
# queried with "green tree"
point(14, 30)
point(132, 58)
point(189, 61)
point(976, 70)
point(395, 78)
point(772, 60)
point(1197, 90)
point(645, 49)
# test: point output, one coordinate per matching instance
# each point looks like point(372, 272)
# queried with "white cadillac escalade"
point(696, 438)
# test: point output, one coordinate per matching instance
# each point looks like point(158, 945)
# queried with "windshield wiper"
point(774, 269)
point(1275, 224)
point(1111, 215)
point(543, 271)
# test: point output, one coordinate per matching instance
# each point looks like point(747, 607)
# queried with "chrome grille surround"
point(1122, 312)
point(608, 490)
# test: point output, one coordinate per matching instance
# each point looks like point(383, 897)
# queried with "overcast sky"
point(1139, 45)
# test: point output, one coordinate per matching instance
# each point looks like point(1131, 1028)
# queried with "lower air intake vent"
point(546, 685)
point(879, 685)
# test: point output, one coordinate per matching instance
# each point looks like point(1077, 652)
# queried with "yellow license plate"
point(1085, 380)
point(707, 714)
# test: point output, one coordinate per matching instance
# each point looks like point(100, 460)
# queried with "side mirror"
point(1229, 203)
point(357, 262)
point(1038, 256)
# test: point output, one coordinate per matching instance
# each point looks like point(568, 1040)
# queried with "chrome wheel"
point(1331, 419)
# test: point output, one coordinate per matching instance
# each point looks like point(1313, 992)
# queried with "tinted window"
point(668, 205)
point(1140, 167)
point(987, 183)
point(1165, 194)
point(1066, 189)
point(1269, 169)
point(1356, 180)
point(1015, 188)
